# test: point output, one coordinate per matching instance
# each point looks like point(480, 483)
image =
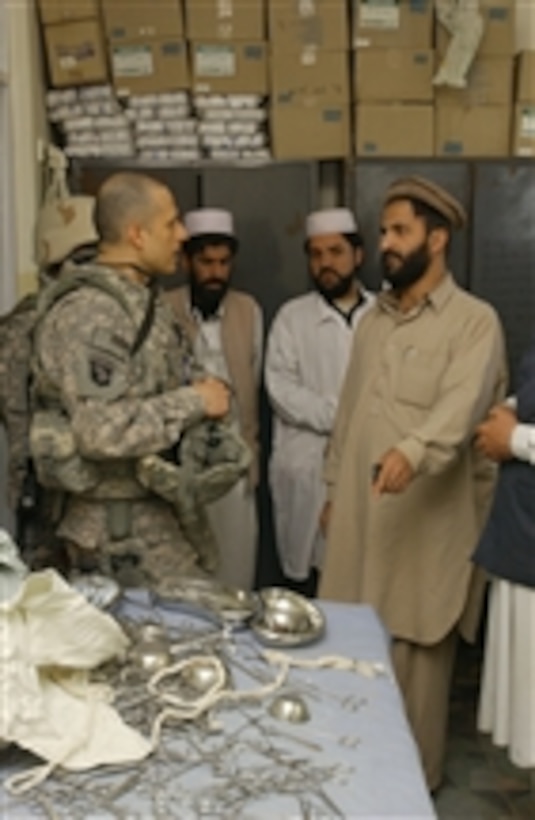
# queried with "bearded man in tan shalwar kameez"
point(408, 491)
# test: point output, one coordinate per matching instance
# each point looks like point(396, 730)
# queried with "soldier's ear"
point(135, 235)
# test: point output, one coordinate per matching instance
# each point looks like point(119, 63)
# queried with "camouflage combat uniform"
point(15, 354)
point(119, 405)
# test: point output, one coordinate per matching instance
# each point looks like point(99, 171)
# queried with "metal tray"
point(285, 619)
point(210, 599)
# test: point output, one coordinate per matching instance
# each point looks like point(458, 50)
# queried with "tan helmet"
point(63, 225)
point(65, 222)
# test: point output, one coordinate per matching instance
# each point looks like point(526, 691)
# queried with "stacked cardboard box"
point(393, 78)
point(475, 122)
point(309, 78)
point(73, 42)
point(229, 76)
point(146, 46)
point(524, 111)
point(91, 121)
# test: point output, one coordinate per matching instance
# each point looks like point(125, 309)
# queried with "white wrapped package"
point(65, 112)
point(91, 150)
point(211, 128)
point(173, 112)
point(65, 97)
point(51, 638)
point(149, 127)
point(90, 93)
point(188, 126)
point(243, 128)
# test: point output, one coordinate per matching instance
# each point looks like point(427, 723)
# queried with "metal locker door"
point(269, 204)
point(503, 247)
point(368, 182)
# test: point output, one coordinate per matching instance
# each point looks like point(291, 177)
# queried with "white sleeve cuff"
point(523, 442)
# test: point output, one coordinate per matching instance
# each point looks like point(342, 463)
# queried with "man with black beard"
point(408, 490)
point(307, 353)
point(226, 330)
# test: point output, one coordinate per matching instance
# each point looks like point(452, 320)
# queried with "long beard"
point(341, 288)
point(207, 296)
point(413, 268)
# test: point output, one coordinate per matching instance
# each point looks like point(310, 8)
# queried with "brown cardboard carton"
point(141, 19)
point(301, 76)
point(394, 75)
point(499, 33)
point(393, 23)
point(524, 130)
point(63, 11)
point(526, 77)
point(229, 68)
point(297, 24)
point(318, 131)
point(75, 53)
point(394, 130)
point(150, 66)
point(225, 19)
point(489, 82)
point(472, 131)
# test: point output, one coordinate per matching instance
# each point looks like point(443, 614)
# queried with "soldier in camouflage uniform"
point(112, 387)
point(64, 230)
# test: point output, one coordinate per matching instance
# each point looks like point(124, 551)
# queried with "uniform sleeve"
point(89, 363)
point(290, 398)
point(474, 381)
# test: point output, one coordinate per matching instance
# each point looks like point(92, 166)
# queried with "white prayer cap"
point(209, 221)
point(332, 220)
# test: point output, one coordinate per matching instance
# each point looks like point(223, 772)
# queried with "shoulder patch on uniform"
point(101, 370)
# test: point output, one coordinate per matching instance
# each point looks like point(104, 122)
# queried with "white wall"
point(28, 125)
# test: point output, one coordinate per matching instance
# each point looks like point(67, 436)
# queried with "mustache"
point(214, 280)
point(328, 270)
point(388, 255)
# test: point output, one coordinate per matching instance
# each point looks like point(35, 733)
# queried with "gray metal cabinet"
point(269, 204)
point(503, 247)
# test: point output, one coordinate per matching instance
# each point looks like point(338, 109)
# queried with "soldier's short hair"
point(121, 197)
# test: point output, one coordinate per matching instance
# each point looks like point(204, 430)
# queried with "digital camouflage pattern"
point(121, 406)
point(15, 370)
point(211, 457)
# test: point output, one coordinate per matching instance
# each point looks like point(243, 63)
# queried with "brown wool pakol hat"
point(430, 194)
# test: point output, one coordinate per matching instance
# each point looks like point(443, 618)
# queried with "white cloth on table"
point(507, 697)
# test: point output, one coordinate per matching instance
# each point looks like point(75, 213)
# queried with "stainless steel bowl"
point(291, 708)
point(285, 618)
point(201, 674)
point(151, 650)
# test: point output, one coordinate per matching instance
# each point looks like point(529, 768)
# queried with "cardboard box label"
point(224, 9)
point(306, 8)
point(215, 61)
point(69, 56)
point(527, 122)
point(133, 61)
point(381, 14)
